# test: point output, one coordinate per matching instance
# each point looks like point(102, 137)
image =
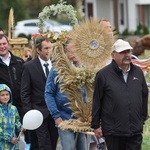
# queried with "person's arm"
point(26, 89)
point(4, 135)
point(50, 96)
point(17, 120)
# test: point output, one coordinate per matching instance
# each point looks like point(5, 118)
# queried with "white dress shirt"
point(6, 60)
point(47, 62)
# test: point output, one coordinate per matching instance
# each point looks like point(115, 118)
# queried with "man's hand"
point(98, 132)
point(58, 121)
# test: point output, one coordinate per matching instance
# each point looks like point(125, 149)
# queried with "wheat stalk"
point(11, 23)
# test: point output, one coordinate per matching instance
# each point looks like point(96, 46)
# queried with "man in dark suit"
point(32, 95)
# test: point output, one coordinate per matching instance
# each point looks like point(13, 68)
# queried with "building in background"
point(123, 14)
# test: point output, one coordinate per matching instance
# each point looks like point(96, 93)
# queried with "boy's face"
point(4, 97)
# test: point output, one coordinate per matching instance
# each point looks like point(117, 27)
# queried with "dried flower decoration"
point(53, 36)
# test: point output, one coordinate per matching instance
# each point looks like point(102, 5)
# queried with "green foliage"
point(146, 131)
point(5, 6)
point(33, 8)
point(146, 136)
point(24, 9)
point(141, 30)
point(126, 32)
point(71, 2)
point(145, 30)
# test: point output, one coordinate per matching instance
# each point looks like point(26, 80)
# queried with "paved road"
point(24, 146)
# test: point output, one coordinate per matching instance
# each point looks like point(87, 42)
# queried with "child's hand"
point(14, 140)
point(22, 129)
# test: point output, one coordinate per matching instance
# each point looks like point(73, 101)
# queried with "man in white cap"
point(120, 101)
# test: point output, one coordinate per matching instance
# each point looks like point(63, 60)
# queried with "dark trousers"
point(124, 143)
point(27, 137)
point(47, 134)
point(33, 140)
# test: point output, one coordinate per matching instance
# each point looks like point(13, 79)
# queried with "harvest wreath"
point(72, 78)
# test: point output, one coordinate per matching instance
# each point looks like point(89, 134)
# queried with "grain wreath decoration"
point(92, 42)
point(57, 9)
point(72, 79)
point(93, 49)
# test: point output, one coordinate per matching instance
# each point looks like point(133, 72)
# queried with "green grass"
point(146, 136)
point(146, 132)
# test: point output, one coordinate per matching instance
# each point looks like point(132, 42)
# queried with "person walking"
point(33, 82)
point(120, 101)
point(9, 120)
point(57, 103)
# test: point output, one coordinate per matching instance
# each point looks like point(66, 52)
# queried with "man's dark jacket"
point(121, 106)
point(11, 76)
point(33, 87)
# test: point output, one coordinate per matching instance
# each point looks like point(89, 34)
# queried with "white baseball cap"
point(121, 45)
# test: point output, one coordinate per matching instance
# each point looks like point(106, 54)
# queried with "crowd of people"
point(120, 99)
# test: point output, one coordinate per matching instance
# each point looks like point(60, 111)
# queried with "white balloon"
point(32, 119)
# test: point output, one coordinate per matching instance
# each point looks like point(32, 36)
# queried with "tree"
point(6, 5)
point(71, 2)
point(33, 8)
point(26, 9)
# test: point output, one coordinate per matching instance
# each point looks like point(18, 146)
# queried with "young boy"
point(9, 120)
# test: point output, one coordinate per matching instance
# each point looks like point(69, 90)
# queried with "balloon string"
point(19, 135)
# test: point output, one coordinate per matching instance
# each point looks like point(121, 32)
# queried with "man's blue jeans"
point(69, 142)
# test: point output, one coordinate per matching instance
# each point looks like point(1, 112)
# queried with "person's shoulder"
point(31, 62)
point(52, 71)
point(105, 71)
point(16, 58)
point(105, 68)
point(13, 107)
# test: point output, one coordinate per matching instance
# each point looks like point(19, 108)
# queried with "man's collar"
point(9, 56)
